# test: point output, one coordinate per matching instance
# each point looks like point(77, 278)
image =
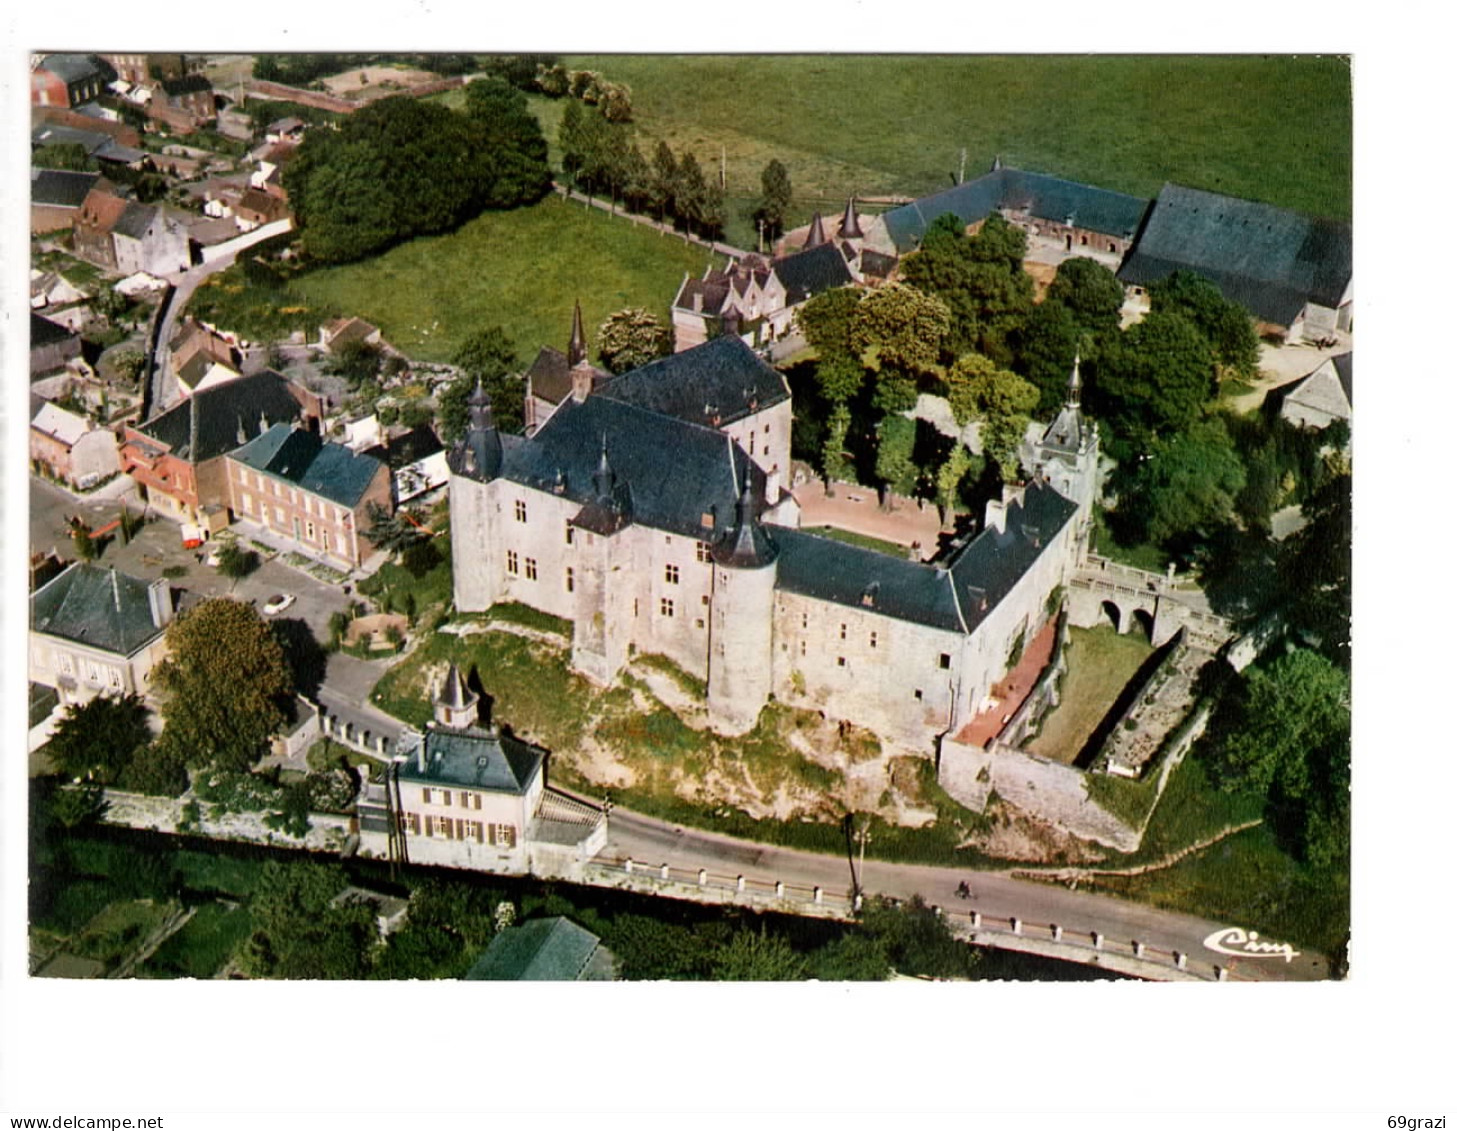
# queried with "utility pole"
point(723, 168)
point(761, 235)
point(961, 170)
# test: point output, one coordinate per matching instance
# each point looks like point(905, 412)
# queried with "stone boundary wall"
point(246, 240)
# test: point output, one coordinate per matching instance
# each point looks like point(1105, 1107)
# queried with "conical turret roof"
point(850, 223)
point(748, 545)
point(577, 346)
point(816, 232)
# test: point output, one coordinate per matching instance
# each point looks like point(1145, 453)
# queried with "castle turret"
point(850, 223)
point(475, 465)
point(741, 631)
point(1067, 453)
point(816, 233)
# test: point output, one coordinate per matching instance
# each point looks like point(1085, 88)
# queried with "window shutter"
point(429, 825)
point(425, 796)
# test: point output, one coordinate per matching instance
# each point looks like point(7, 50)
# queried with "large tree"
point(825, 321)
point(690, 198)
point(757, 956)
point(224, 683)
point(485, 357)
point(1314, 567)
point(1284, 733)
point(773, 207)
point(631, 338)
point(895, 448)
point(897, 327)
point(663, 185)
point(1090, 292)
point(300, 932)
point(96, 739)
point(1156, 380)
point(511, 143)
point(1182, 483)
point(1226, 326)
point(1000, 400)
point(979, 278)
point(401, 167)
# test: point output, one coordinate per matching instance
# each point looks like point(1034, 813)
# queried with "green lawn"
point(1099, 665)
point(202, 946)
point(522, 269)
point(864, 541)
point(885, 124)
point(1246, 878)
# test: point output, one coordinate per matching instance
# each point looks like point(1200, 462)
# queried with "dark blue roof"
point(474, 758)
point(228, 416)
point(955, 597)
point(331, 471)
point(95, 606)
point(539, 950)
point(1048, 198)
point(1269, 260)
point(60, 187)
point(808, 273)
point(723, 378)
point(675, 472)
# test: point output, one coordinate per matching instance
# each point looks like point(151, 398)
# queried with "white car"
point(277, 603)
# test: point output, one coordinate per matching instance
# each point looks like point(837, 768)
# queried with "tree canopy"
point(401, 167)
point(1155, 380)
point(631, 338)
point(1089, 292)
point(1285, 733)
point(1227, 327)
point(96, 739)
point(1184, 481)
point(224, 683)
point(1002, 401)
point(300, 932)
point(485, 356)
point(778, 194)
point(900, 328)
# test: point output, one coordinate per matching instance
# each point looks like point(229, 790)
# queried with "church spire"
point(1075, 383)
point(850, 222)
point(816, 233)
point(577, 347)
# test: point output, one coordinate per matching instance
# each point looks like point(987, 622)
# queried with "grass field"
point(1099, 665)
point(521, 269)
point(1271, 129)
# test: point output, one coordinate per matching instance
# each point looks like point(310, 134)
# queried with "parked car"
point(278, 602)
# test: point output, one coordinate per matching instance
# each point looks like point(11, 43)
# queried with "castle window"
point(513, 563)
point(839, 661)
point(703, 555)
point(843, 629)
point(698, 623)
point(873, 638)
point(670, 574)
point(802, 647)
point(445, 796)
point(751, 443)
point(571, 580)
point(665, 606)
point(945, 660)
point(571, 534)
point(707, 520)
point(804, 620)
point(703, 600)
point(530, 569)
point(918, 694)
point(520, 510)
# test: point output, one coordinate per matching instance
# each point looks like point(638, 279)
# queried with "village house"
point(140, 69)
point(465, 794)
point(338, 332)
point(256, 207)
point(125, 236)
point(94, 631)
point(177, 458)
point(71, 448)
point(56, 196)
point(655, 532)
point(68, 79)
point(754, 298)
point(183, 104)
point(52, 289)
point(1291, 271)
point(1321, 397)
point(94, 141)
point(52, 346)
point(314, 494)
point(86, 118)
point(1077, 218)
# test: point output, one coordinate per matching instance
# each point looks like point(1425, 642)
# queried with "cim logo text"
point(1247, 944)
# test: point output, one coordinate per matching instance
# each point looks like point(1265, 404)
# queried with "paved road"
point(655, 842)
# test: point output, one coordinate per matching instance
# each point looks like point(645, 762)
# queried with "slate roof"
point(672, 472)
point(134, 220)
point(1344, 375)
point(539, 950)
point(60, 188)
point(49, 133)
point(722, 379)
point(71, 67)
point(475, 758)
point(807, 273)
point(1047, 198)
point(187, 84)
point(223, 414)
point(95, 606)
point(44, 332)
point(54, 421)
point(955, 598)
point(1269, 260)
point(330, 471)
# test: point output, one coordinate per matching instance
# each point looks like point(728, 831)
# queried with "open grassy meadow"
point(1099, 665)
point(521, 269)
point(1267, 128)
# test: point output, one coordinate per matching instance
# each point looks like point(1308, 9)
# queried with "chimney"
point(996, 518)
point(581, 382)
point(698, 302)
point(159, 599)
point(772, 487)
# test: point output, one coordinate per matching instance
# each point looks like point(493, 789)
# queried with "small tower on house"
point(816, 233)
point(456, 705)
point(475, 466)
point(1066, 455)
point(577, 347)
